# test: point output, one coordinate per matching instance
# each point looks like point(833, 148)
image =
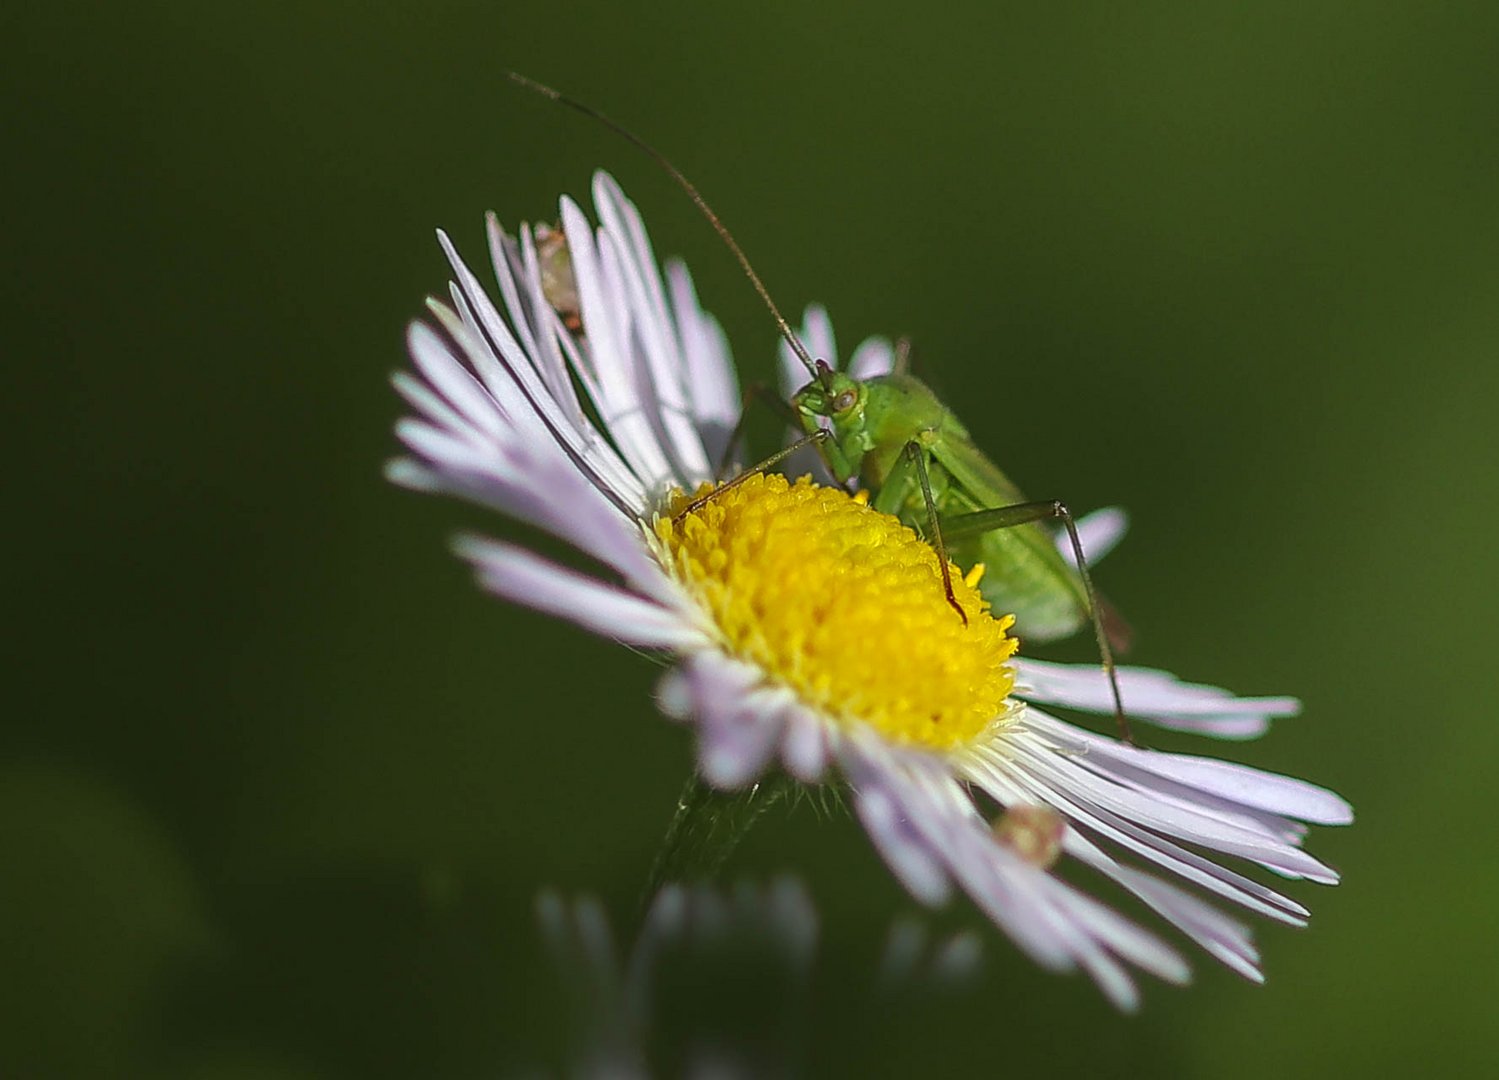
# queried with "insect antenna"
point(692, 193)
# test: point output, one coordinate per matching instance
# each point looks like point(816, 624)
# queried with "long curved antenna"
point(692, 193)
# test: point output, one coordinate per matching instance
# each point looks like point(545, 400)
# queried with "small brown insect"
point(557, 282)
point(1032, 832)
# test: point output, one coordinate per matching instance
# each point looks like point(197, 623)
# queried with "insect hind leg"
point(1008, 517)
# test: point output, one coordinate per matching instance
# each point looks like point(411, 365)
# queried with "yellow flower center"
point(844, 605)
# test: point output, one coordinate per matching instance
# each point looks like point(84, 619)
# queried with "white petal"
point(817, 334)
point(1184, 823)
point(874, 357)
point(1238, 784)
point(1156, 697)
point(654, 329)
point(817, 338)
point(804, 744)
point(1008, 784)
point(606, 318)
point(1252, 787)
point(904, 850)
point(924, 823)
point(450, 379)
point(528, 579)
point(709, 371)
point(1099, 533)
point(738, 739)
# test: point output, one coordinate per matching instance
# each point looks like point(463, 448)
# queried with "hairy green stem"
point(708, 826)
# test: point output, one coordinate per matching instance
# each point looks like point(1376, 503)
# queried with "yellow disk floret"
point(845, 606)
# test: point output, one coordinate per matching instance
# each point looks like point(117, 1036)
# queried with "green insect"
point(897, 438)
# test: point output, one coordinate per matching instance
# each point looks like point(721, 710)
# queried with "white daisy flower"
point(808, 631)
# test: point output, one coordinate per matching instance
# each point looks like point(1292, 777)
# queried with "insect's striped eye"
point(844, 401)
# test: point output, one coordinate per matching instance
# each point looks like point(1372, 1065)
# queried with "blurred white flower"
point(806, 629)
point(720, 980)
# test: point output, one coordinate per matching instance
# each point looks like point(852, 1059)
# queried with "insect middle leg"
point(1007, 517)
point(912, 467)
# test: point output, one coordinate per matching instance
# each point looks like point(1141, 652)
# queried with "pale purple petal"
point(739, 737)
point(874, 357)
point(1099, 533)
point(817, 334)
point(620, 380)
point(928, 829)
point(1157, 697)
point(804, 744)
point(528, 579)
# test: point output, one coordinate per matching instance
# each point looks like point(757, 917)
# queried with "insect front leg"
point(762, 393)
point(1007, 517)
point(759, 467)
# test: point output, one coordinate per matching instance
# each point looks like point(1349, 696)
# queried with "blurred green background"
point(279, 785)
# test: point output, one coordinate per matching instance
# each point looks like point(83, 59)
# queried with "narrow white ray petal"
point(406, 473)
point(538, 484)
point(1169, 820)
point(490, 326)
point(1085, 748)
point(817, 334)
point(606, 318)
point(1115, 983)
point(1222, 937)
point(516, 343)
point(674, 694)
point(538, 423)
point(1001, 779)
point(1242, 784)
point(1157, 697)
point(739, 737)
point(426, 402)
point(1099, 532)
point(442, 446)
point(710, 369)
point(548, 359)
point(1126, 940)
point(654, 330)
point(1252, 787)
point(874, 357)
point(804, 745)
point(1009, 891)
point(793, 375)
point(902, 847)
point(511, 403)
point(917, 799)
point(657, 384)
point(507, 366)
point(1140, 810)
point(528, 579)
point(563, 418)
point(1226, 939)
point(446, 375)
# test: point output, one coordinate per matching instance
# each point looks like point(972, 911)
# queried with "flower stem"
point(708, 826)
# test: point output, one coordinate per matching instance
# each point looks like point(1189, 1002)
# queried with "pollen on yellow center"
point(845, 606)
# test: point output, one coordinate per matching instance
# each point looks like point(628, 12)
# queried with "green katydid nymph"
point(894, 436)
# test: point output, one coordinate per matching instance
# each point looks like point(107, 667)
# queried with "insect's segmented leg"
point(1007, 517)
point(778, 405)
point(917, 454)
point(759, 467)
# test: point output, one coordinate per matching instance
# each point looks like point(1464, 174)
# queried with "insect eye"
point(844, 401)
